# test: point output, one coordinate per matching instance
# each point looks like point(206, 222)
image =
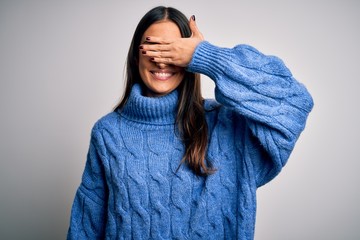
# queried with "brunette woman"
point(167, 164)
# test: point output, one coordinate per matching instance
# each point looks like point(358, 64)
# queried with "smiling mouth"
point(162, 75)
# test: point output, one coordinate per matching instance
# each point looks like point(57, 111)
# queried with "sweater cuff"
point(209, 59)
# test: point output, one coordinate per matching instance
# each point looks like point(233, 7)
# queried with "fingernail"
point(147, 38)
point(141, 47)
point(152, 59)
point(193, 17)
point(143, 52)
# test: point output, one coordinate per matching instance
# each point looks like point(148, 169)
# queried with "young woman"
point(167, 164)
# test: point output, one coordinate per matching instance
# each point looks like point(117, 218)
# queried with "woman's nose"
point(161, 65)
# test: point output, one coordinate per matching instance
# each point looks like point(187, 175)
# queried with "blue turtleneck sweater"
point(130, 188)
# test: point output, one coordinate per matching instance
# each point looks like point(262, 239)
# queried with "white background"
point(61, 69)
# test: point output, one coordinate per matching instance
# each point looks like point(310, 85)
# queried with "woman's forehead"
point(164, 28)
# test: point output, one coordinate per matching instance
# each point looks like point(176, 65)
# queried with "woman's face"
point(160, 79)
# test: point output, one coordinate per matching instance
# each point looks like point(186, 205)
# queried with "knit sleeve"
point(262, 90)
point(88, 214)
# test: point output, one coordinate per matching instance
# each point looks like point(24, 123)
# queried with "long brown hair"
point(190, 117)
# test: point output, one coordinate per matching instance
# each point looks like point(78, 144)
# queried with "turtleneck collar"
point(150, 110)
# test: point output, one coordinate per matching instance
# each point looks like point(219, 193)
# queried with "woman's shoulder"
point(107, 122)
point(211, 105)
point(216, 110)
point(219, 113)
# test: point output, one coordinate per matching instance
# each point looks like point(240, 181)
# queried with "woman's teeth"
point(162, 75)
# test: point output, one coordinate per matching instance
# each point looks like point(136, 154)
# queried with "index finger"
point(158, 40)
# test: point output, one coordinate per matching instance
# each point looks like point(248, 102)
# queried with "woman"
point(167, 164)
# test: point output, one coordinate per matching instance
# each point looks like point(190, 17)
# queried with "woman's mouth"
point(162, 75)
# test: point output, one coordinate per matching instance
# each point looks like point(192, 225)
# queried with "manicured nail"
point(152, 59)
point(147, 38)
point(193, 17)
point(141, 47)
point(143, 52)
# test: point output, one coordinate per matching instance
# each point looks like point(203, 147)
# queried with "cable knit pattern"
point(130, 187)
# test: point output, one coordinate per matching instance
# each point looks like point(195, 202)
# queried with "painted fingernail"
point(143, 52)
point(141, 47)
point(147, 38)
point(152, 59)
point(193, 17)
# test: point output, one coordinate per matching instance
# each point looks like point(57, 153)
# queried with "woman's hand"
point(176, 51)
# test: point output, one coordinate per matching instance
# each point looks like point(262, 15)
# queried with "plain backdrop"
point(62, 68)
